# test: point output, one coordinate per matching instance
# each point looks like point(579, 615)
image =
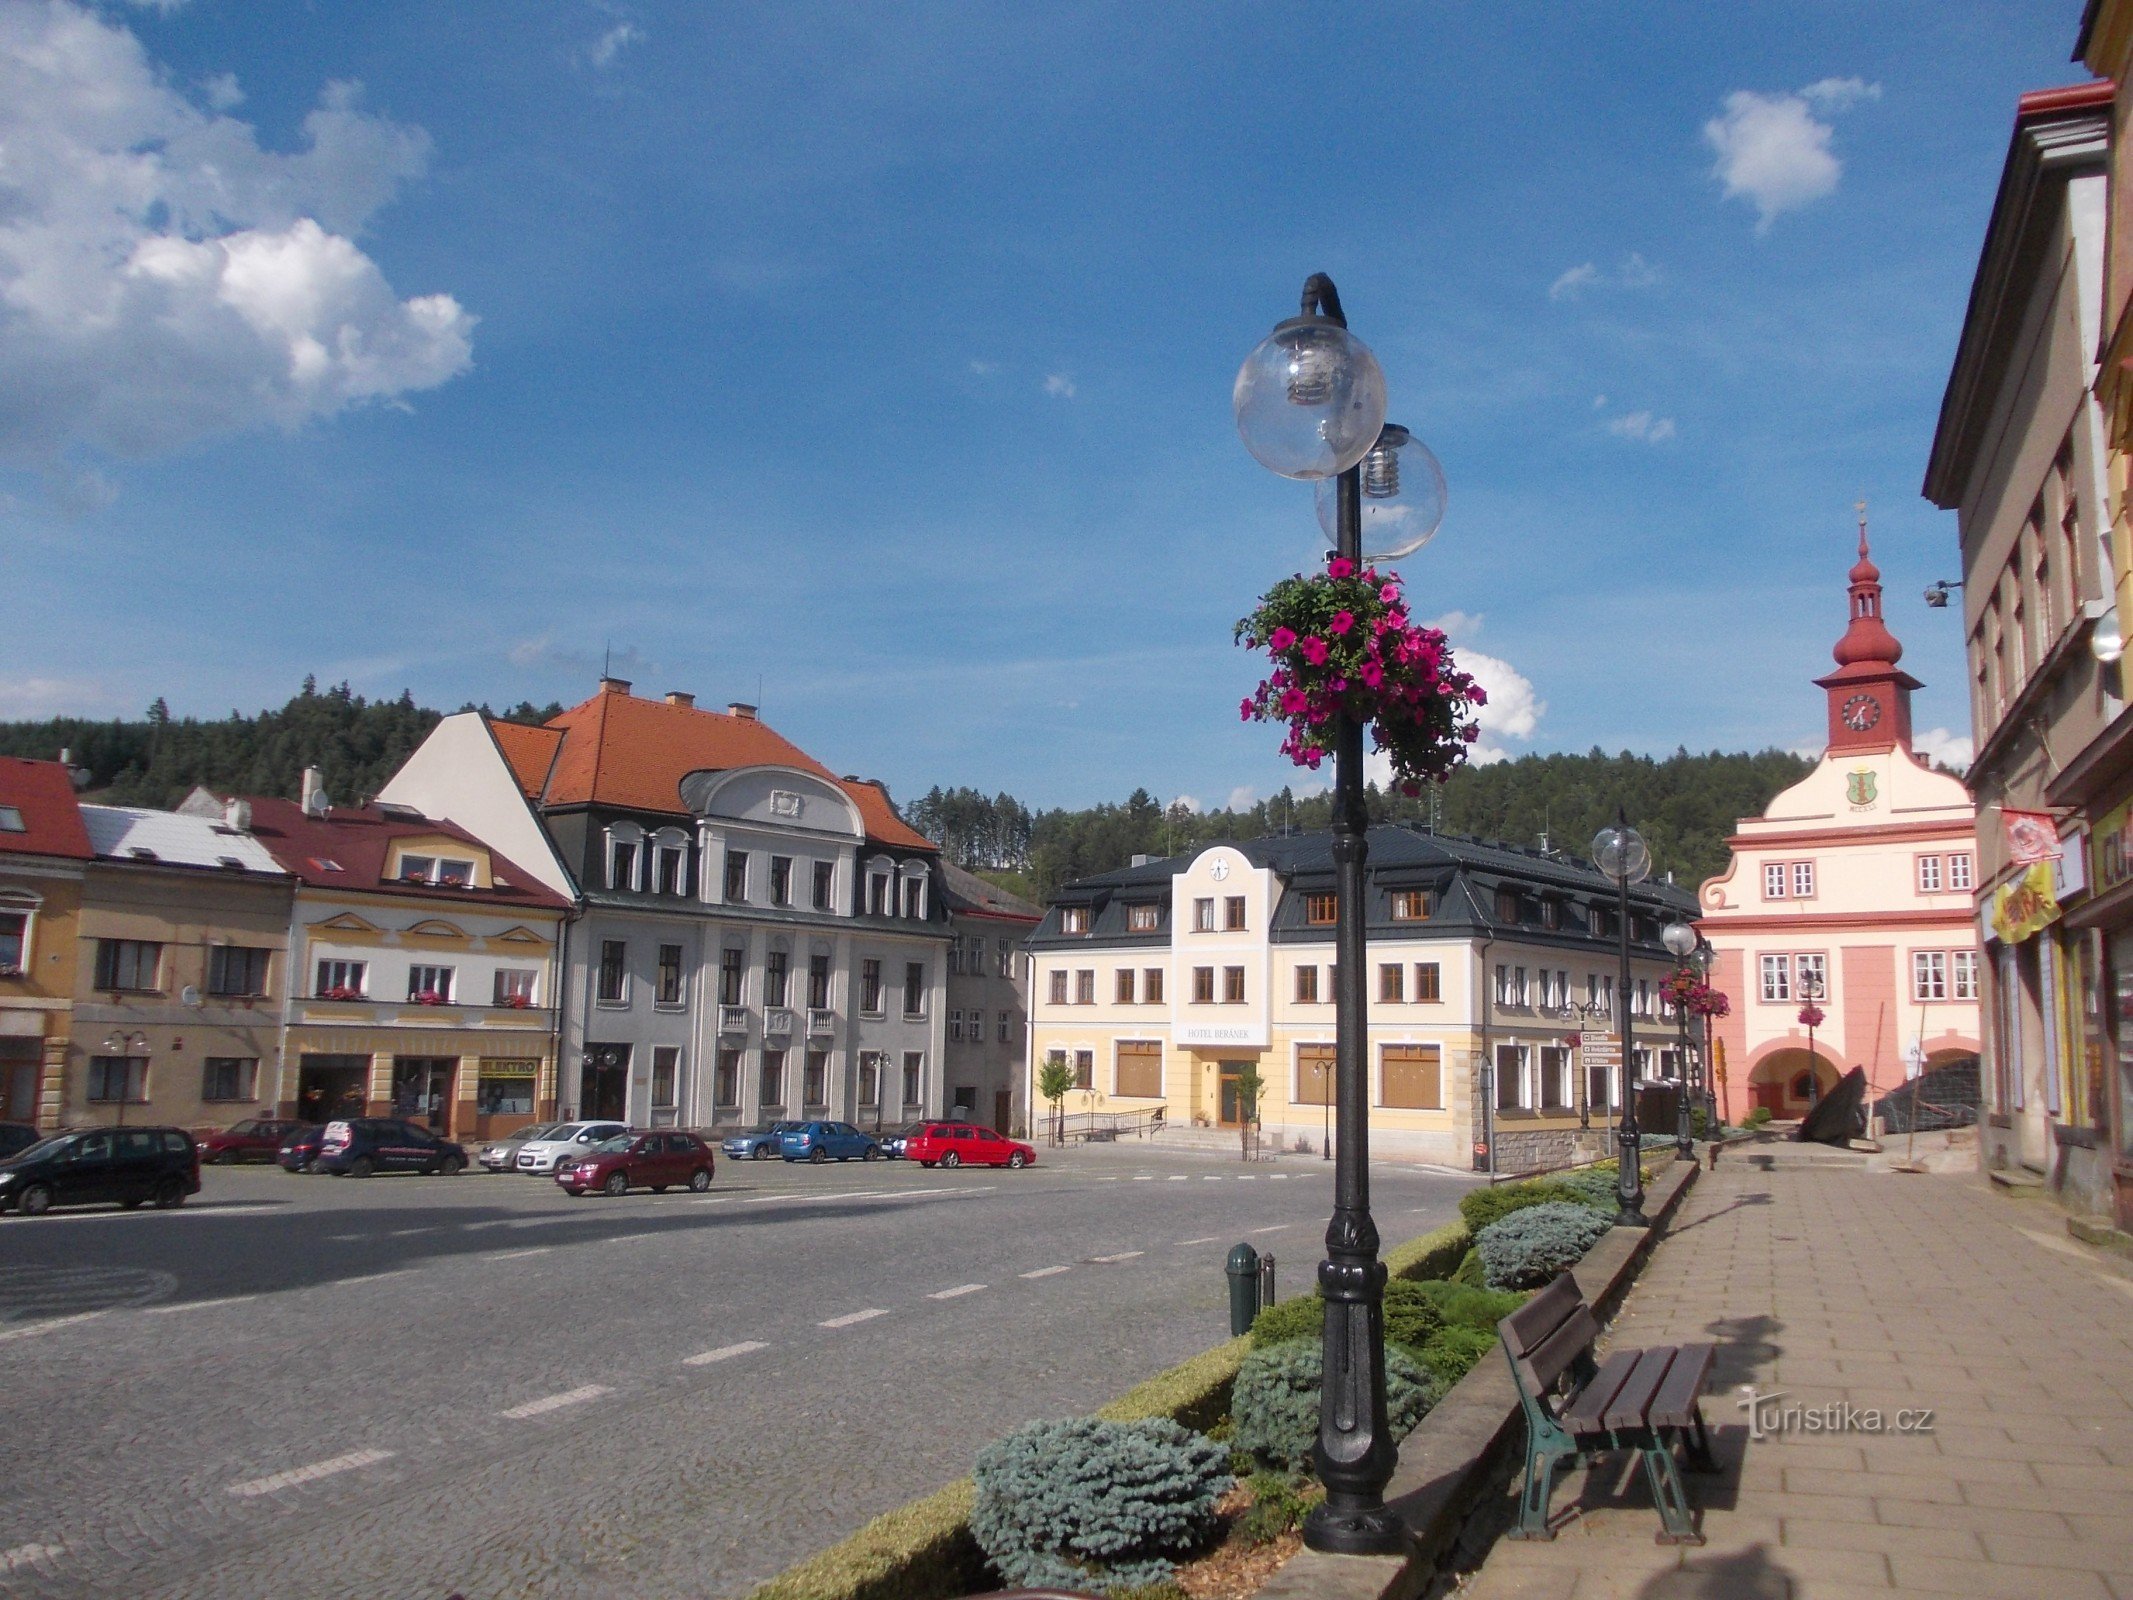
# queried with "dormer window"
point(670, 862)
point(1142, 919)
point(915, 896)
point(1073, 919)
point(450, 872)
point(877, 894)
point(11, 820)
point(1410, 905)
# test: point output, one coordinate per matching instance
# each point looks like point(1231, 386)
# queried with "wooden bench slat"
point(1554, 1356)
point(1532, 1323)
point(1584, 1412)
point(1674, 1406)
point(1633, 1400)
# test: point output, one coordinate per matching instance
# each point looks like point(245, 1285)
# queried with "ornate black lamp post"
point(1310, 404)
point(1619, 851)
point(1681, 941)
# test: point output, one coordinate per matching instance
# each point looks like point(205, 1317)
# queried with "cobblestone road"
point(413, 1386)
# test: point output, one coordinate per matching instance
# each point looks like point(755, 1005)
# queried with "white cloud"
point(35, 699)
point(1188, 802)
point(165, 278)
point(1634, 273)
point(983, 369)
point(1514, 709)
point(544, 652)
point(1241, 798)
point(1060, 386)
point(1599, 402)
point(1642, 425)
point(1949, 748)
point(1573, 281)
point(1772, 150)
point(611, 43)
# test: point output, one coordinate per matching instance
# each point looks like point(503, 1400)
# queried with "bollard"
point(1243, 1272)
point(1266, 1280)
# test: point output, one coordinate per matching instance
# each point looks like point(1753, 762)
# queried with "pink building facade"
point(1852, 893)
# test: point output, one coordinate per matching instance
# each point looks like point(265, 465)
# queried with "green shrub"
point(1455, 1352)
point(1480, 1207)
point(1411, 1316)
point(1085, 1503)
point(1470, 1270)
point(1757, 1117)
point(1595, 1185)
point(1276, 1399)
point(1279, 1503)
point(1529, 1247)
point(1430, 1255)
point(1163, 1590)
point(1465, 1306)
point(1194, 1392)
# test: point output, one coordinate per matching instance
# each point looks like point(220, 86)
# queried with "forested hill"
point(1685, 805)
point(156, 761)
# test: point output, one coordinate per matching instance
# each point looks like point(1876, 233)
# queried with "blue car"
point(826, 1141)
point(756, 1144)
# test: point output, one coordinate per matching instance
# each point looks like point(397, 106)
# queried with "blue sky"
point(875, 361)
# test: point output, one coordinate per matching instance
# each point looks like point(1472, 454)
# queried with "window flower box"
point(341, 992)
point(428, 997)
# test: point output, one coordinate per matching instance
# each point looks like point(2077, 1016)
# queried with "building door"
point(604, 1083)
point(1003, 1112)
point(19, 1063)
point(423, 1090)
point(1229, 1100)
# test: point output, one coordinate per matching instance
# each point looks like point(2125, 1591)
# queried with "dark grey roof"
point(1464, 877)
point(969, 893)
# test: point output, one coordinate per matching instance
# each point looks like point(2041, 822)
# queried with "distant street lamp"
point(1681, 941)
point(121, 1047)
point(1619, 851)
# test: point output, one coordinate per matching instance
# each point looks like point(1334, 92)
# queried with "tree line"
point(1685, 806)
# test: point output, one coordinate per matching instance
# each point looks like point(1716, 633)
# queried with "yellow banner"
point(2021, 906)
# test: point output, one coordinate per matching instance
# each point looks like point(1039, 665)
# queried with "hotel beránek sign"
point(1220, 1033)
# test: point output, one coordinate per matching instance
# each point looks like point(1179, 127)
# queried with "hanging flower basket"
point(1687, 992)
point(1811, 1016)
point(1341, 641)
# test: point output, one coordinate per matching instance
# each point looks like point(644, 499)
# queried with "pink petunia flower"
point(1343, 621)
point(1314, 649)
point(1281, 638)
point(1244, 711)
point(1340, 567)
point(1293, 701)
point(1390, 594)
point(1372, 674)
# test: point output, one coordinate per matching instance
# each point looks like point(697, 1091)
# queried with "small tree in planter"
point(1055, 1080)
point(1250, 1088)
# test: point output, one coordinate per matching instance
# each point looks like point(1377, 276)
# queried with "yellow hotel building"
point(1161, 982)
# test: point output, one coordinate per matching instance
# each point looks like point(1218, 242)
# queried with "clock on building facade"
point(1861, 712)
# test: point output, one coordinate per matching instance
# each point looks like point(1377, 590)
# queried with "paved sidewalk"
point(1888, 1292)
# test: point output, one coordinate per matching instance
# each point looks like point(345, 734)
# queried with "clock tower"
point(1869, 695)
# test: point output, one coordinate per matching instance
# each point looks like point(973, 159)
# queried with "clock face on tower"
point(1861, 712)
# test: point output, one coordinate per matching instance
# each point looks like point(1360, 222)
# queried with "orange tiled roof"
point(43, 792)
point(618, 749)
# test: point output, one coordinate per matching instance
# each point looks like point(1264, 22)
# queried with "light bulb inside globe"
point(1403, 497)
point(1619, 851)
point(1679, 939)
point(1310, 399)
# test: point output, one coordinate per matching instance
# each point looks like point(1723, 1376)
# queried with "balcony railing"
point(777, 1019)
point(732, 1019)
point(820, 1019)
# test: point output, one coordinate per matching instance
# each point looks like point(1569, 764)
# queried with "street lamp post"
point(1703, 958)
point(1681, 941)
point(1619, 851)
point(1811, 1017)
point(121, 1046)
point(1325, 1107)
point(1310, 404)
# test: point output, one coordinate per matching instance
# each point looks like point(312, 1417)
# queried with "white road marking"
point(631, 1238)
point(1247, 1177)
point(725, 1352)
point(520, 1255)
point(851, 1317)
point(1123, 1255)
point(1278, 1177)
point(24, 1555)
point(408, 1233)
point(317, 1470)
point(47, 1325)
point(1112, 1178)
point(1144, 1177)
point(959, 1289)
point(1211, 1177)
point(716, 1200)
point(1276, 1228)
point(1179, 1177)
point(370, 1277)
point(201, 1305)
point(556, 1402)
point(1047, 1272)
point(1210, 1239)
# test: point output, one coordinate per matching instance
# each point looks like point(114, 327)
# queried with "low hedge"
point(924, 1550)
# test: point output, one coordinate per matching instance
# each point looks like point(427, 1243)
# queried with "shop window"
point(1410, 1077)
point(228, 1077)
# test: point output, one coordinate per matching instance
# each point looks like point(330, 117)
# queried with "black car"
point(299, 1152)
point(128, 1165)
point(16, 1137)
point(359, 1146)
point(892, 1141)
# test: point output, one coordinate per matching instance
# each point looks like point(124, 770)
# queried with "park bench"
point(1576, 1407)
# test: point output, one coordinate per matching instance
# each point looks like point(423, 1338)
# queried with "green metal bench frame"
point(1576, 1407)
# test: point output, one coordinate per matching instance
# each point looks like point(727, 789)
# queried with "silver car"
point(501, 1155)
point(566, 1141)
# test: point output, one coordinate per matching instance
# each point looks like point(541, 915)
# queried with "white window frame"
point(1803, 880)
point(1811, 975)
point(14, 903)
point(417, 969)
point(1929, 975)
point(623, 833)
point(1962, 975)
point(1960, 875)
point(1929, 875)
point(1773, 880)
point(1776, 973)
point(337, 968)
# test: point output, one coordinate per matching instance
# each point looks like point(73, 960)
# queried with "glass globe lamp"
point(1680, 940)
point(1310, 400)
point(1403, 497)
point(1619, 851)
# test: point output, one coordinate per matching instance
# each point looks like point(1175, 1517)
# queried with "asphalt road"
point(411, 1387)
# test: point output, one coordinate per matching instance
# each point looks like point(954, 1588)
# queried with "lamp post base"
point(1370, 1531)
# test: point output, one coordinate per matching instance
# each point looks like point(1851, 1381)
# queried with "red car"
point(654, 1161)
point(956, 1144)
point(254, 1139)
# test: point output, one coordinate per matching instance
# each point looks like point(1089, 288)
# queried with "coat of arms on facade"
point(1860, 788)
